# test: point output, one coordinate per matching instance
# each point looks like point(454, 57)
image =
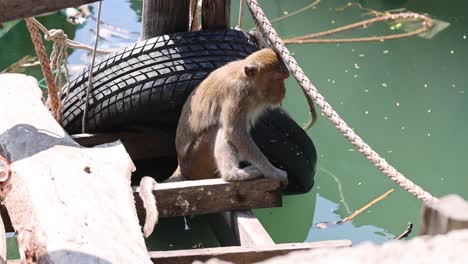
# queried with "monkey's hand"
point(147, 185)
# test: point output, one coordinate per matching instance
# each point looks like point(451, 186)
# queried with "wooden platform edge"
point(15, 9)
point(239, 228)
point(212, 196)
point(238, 254)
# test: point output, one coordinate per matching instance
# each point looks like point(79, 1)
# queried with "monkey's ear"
point(251, 69)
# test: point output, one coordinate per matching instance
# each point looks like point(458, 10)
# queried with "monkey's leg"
point(227, 160)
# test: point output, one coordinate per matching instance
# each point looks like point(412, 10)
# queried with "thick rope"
point(45, 66)
point(265, 26)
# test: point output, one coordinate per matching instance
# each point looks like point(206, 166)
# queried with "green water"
point(407, 98)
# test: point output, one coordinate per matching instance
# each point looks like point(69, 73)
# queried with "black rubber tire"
point(146, 85)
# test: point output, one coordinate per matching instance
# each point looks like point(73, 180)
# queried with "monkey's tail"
point(313, 112)
point(147, 185)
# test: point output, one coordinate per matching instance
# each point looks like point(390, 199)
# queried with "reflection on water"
point(407, 98)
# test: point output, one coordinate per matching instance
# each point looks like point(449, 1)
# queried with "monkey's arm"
point(234, 123)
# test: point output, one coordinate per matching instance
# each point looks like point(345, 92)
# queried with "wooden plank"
point(139, 145)
point(208, 196)
point(249, 230)
point(216, 14)
point(67, 203)
point(213, 195)
point(161, 17)
point(239, 228)
point(240, 255)
point(14, 9)
point(447, 214)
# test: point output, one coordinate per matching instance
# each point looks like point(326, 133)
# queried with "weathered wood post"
point(216, 14)
point(161, 17)
point(447, 214)
point(67, 203)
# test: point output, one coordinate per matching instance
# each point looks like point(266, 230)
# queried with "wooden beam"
point(447, 214)
point(139, 145)
point(216, 14)
point(239, 228)
point(15, 9)
point(213, 195)
point(240, 255)
point(249, 230)
point(208, 196)
point(161, 17)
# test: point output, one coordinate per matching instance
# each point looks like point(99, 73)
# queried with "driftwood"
point(68, 204)
point(15, 9)
point(447, 214)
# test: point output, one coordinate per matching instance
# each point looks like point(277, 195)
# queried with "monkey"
point(212, 136)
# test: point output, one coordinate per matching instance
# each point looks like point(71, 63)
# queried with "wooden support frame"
point(15, 9)
point(445, 215)
point(216, 14)
point(161, 17)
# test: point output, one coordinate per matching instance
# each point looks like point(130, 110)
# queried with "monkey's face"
point(275, 86)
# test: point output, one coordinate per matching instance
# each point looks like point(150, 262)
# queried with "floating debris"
point(385, 51)
point(324, 225)
point(384, 84)
point(429, 110)
point(356, 66)
point(425, 85)
point(452, 52)
point(397, 104)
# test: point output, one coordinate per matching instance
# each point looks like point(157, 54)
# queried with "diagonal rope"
point(36, 38)
point(265, 26)
point(90, 73)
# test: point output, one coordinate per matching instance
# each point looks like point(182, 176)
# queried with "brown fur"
point(213, 137)
point(229, 100)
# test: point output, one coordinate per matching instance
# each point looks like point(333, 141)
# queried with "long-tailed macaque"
point(212, 138)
